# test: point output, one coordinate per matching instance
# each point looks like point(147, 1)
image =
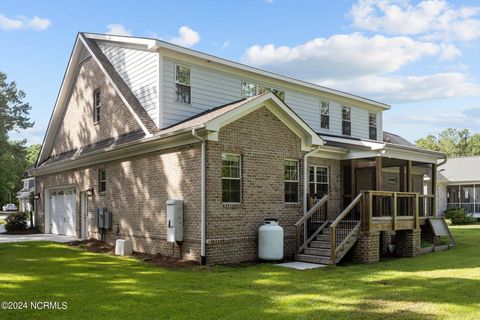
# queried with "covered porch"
point(387, 192)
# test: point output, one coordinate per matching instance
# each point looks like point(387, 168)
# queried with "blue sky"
point(419, 56)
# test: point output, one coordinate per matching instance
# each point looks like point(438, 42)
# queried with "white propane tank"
point(270, 240)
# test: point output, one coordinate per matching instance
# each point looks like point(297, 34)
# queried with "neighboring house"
point(140, 121)
point(24, 196)
point(459, 185)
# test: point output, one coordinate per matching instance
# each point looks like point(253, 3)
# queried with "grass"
point(2, 221)
point(443, 285)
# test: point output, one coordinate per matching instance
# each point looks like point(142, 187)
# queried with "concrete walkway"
point(5, 238)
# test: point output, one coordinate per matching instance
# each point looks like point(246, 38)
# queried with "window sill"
point(291, 204)
point(231, 205)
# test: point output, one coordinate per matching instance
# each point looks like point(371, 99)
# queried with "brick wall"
point(408, 243)
point(78, 128)
point(263, 142)
point(335, 180)
point(137, 190)
point(367, 247)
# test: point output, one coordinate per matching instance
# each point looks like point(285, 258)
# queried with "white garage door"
point(62, 211)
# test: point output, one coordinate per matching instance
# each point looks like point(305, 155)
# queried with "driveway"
point(4, 238)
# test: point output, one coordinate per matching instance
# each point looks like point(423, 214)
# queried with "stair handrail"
point(333, 226)
point(300, 223)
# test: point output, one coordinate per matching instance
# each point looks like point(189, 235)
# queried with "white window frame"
point(370, 126)
point(323, 114)
point(257, 85)
point(349, 120)
point(182, 84)
point(297, 181)
point(100, 180)
point(97, 107)
point(315, 182)
point(230, 178)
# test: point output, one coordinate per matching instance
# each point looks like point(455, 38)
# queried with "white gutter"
point(203, 202)
point(305, 179)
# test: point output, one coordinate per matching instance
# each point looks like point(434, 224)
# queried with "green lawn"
point(444, 285)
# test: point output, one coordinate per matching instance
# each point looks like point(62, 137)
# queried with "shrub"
point(16, 222)
point(458, 216)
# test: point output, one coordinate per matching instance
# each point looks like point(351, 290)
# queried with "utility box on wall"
point(102, 218)
point(174, 220)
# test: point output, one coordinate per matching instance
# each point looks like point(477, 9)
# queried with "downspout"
point(305, 179)
point(202, 195)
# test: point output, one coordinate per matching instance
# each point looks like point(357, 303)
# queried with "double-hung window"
point(231, 178)
point(102, 180)
point(346, 121)
point(372, 126)
point(324, 115)
point(250, 89)
point(97, 102)
point(183, 90)
point(291, 181)
point(319, 181)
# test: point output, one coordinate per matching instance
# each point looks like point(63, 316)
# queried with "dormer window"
point(372, 126)
point(183, 90)
point(97, 102)
point(324, 115)
point(346, 121)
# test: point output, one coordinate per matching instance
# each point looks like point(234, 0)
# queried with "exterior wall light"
point(89, 192)
point(36, 196)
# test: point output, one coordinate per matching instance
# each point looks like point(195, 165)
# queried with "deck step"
point(320, 244)
point(313, 258)
point(318, 251)
point(327, 231)
point(323, 237)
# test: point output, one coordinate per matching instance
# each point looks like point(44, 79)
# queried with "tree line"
point(15, 156)
point(453, 142)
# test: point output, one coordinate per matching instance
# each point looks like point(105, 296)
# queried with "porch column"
point(378, 174)
point(409, 176)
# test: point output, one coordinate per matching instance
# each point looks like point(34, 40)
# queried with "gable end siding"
point(139, 69)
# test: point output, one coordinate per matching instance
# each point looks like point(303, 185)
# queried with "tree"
point(453, 142)
point(14, 115)
point(32, 154)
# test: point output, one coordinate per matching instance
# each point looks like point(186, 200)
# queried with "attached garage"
point(62, 211)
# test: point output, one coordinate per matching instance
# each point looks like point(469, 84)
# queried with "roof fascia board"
point(154, 44)
point(100, 65)
point(62, 96)
point(127, 150)
point(279, 109)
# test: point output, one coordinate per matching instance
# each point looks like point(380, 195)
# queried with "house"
point(459, 185)
point(139, 121)
point(25, 195)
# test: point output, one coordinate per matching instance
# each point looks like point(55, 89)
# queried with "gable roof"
point(209, 122)
point(461, 169)
point(155, 44)
point(214, 119)
point(85, 46)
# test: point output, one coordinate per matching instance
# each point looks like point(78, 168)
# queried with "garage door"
point(62, 211)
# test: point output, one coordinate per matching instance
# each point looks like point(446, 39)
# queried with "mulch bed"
point(156, 259)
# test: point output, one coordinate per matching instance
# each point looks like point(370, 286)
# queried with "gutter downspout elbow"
point(305, 175)
point(203, 241)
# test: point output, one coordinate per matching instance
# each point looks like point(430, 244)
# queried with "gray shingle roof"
point(396, 139)
point(461, 169)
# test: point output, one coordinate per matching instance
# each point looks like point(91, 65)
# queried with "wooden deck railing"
point(311, 224)
point(346, 223)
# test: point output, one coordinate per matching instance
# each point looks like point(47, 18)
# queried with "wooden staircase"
point(331, 241)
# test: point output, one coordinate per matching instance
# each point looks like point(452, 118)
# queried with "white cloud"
point(118, 29)
point(33, 135)
point(469, 118)
point(23, 23)
point(431, 19)
point(343, 56)
point(398, 89)
point(186, 37)
point(449, 52)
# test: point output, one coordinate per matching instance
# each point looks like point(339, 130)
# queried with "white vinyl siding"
point(140, 71)
point(212, 88)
